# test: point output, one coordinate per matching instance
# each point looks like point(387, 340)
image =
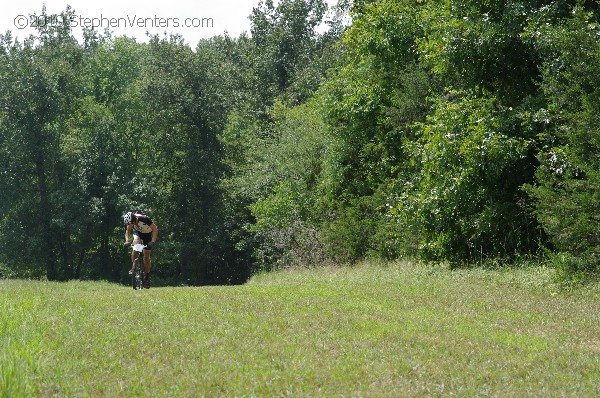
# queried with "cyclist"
point(144, 231)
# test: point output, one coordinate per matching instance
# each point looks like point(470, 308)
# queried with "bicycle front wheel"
point(137, 277)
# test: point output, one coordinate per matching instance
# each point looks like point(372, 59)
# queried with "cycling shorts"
point(145, 238)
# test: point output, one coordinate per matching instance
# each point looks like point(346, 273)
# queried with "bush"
point(5, 272)
point(574, 270)
point(467, 197)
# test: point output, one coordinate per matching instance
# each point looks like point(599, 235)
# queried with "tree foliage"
point(452, 130)
point(568, 179)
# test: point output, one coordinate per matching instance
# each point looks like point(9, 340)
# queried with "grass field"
point(367, 331)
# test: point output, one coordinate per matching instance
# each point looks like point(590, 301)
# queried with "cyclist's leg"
point(147, 260)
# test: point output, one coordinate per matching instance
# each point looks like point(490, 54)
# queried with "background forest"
point(462, 131)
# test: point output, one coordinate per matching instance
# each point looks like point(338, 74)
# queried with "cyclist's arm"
point(127, 232)
point(154, 232)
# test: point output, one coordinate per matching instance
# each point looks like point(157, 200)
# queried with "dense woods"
point(460, 131)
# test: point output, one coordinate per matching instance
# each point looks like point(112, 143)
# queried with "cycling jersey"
point(143, 224)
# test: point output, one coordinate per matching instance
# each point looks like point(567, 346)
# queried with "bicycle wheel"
point(137, 278)
point(142, 270)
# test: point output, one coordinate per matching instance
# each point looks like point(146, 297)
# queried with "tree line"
point(459, 131)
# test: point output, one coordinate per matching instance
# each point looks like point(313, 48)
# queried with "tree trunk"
point(45, 215)
point(66, 249)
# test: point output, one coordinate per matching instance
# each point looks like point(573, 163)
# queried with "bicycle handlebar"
point(138, 247)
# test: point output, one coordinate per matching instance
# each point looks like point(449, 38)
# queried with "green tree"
point(40, 81)
point(96, 151)
point(567, 186)
point(182, 157)
point(471, 43)
point(371, 101)
point(287, 168)
point(283, 64)
point(285, 40)
point(466, 198)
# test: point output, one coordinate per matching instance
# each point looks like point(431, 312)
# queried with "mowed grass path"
point(368, 331)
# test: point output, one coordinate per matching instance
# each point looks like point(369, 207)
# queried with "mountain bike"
point(139, 269)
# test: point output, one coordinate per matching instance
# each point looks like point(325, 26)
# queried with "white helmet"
point(128, 217)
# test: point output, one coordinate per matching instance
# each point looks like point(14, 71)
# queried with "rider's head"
point(128, 218)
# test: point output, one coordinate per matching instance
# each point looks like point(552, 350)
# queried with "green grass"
point(372, 331)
